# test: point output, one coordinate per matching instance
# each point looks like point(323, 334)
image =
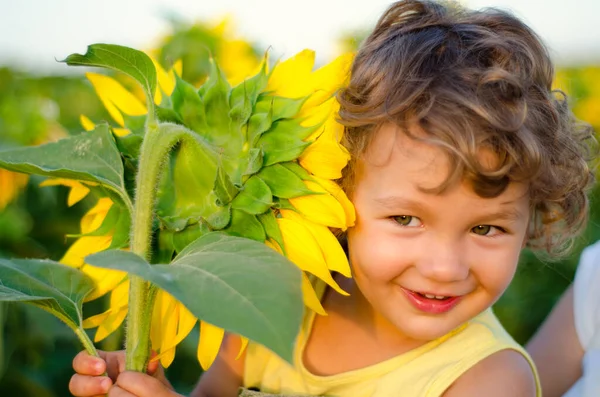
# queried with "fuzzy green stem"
point(157, 144)
point(85, 340)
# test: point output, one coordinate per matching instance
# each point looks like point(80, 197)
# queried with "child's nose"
point(443, 262)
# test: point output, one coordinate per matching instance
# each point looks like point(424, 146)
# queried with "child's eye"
point(407, 220)
point(487, 230)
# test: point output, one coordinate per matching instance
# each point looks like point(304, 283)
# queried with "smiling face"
point(410, 245)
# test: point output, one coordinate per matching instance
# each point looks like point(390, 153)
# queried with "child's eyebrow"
point(392, 202)
point(509, 212)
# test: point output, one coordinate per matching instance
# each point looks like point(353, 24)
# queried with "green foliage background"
point(36, 349)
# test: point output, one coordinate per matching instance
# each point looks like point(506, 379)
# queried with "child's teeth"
point(430, 296)
point(440, 297)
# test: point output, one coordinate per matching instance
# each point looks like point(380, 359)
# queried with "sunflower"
point(295, 219)
point(11, 183)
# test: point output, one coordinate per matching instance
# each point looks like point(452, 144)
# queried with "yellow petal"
point(83, 247)
point(185, 325)
point(332, 251)
point(311, 300)
point(325, 157)
point(110, 324)
point(314, 115)
point(326, 80)
point(322, 209)
point(308, 292)
point(177, 68)
point(166, 82)
point(96, 320)
point(243, 346)
point(78, 190)
point(105, 279)
point(7, 188)
point(238, 61)
point(304, 251)
point(170, 318)
point(121, 131)
point(155, 326)
point(289, 78)
point(116, 98)
point(93, 219)
point(209, 344)
point(86, 123)
point(336, 191)
point(110, 320)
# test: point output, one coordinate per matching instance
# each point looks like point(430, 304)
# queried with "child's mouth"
point(431, 303)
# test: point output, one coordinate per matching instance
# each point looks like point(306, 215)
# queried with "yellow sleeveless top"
point(426, 371)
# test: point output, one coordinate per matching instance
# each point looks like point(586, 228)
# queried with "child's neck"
point(352, 335)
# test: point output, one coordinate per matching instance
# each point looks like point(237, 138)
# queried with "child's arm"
point(556, 349)
point(505, 373)
point(225, 376)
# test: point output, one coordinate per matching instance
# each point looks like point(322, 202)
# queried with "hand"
point(137, 384)
point(90, 379)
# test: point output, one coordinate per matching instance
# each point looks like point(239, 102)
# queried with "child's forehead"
point(420, 147)
point(397, 158)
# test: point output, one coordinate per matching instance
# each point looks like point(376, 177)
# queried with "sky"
point(34, 33)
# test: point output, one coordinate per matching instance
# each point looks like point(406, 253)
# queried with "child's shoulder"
point(483, 359)
point(504, 373)
point(586, 296)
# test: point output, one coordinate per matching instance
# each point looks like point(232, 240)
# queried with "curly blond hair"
point(472, 80)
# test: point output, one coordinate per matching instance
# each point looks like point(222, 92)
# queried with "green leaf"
point(129, 145)
point(224, 189)
point(135, 124)
point(52, 286)
point(284, 204)
point(167, 115)
point(298, 170)
point(186, 191)
point(90, 156)
point(292, 127)
point(244, 224)
point(215, 96)
point(257, 125)
point(188, 235)
point(123, 59)
point(165, 248)
point(259, 289)
point(283, 182)
point(220, 218)
point(188, 106)
point(255, 197)
point(280, 107)
point(117, 222)
point(253, 161)
point(243, 97)
point(269, 222)
point(279, 147)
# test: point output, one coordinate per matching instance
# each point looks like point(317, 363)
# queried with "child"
point(461, 156)
point(566, 348)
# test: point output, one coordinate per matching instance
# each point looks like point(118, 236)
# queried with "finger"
point(85, 364)
point(88, 386)
point(140, 384)
point(115, 364)
point(153, 365)
point(116, 391)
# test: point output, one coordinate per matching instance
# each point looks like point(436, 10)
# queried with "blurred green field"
point(36, 349)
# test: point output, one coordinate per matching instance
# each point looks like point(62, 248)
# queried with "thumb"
point(153, 364)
